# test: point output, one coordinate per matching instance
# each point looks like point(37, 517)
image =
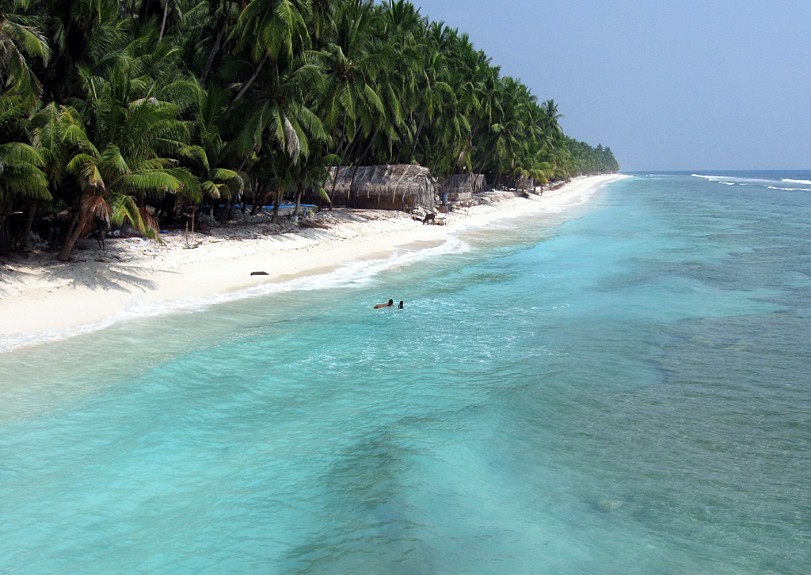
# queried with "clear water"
point(621, 389)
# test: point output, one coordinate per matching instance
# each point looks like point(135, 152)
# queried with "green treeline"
point(110, 106)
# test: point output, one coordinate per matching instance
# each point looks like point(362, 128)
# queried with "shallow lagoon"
point(623, 388)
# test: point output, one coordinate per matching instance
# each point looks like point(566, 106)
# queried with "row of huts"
point(399, 186)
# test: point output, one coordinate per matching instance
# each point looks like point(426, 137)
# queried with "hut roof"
point(382, 179)
point(394, 184)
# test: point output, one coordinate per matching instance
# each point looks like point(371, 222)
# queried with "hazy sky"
point(667, 84)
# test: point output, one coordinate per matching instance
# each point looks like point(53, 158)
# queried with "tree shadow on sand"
point(102, 275)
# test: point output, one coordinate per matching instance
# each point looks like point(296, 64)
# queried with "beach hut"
point(460, 188)
point(386, 187)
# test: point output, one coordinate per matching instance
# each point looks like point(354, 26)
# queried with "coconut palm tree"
point(20, 40)
point(433, 88)
point(79, 31)
point(312, 172)
point(207, 31)
point(279, 122)
point(401, 41)
point(209, 157)
point(351, 106)
point(116, 180)
point(514, 129)
point(127, 150)
point(22, 177)
point(22, 47)
point(271, 31)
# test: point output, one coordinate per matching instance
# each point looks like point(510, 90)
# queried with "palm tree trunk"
point(417, 135)
point(163, 23)
point(258, 200)
point(229, 210)
point(79, 222)
point(2, 228)
point(349, 197)
point(214, 50)
point(277, 202)
point(299, 192)
point(21, 241)
point(342, 156)
point(252, 79)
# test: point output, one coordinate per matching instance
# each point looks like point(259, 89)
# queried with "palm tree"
point(22, 176)
point(433, 87)
point(22, 179)
point(125, 147)
point(223, 14)
point(351, 106)
point(79, 31)
point(209, 159)
point(513, 130)
point(401, 46)
point(279, 122)
point(116, 180)
point(271, 30)
point(311, 171)
point(20, 40)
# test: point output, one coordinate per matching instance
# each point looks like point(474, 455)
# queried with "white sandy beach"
point(42, 299)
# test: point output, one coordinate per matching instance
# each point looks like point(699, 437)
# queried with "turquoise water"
point(621, 389)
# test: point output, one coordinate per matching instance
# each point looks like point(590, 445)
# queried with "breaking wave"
point(799, 185)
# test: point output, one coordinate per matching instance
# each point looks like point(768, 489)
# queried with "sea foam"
point(354, 274)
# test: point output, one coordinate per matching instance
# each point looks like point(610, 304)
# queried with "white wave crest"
point(724, 180)
point(787, 189)
point(733, 180)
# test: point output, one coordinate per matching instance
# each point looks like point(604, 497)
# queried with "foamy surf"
point(776, 183)
point(354, 274)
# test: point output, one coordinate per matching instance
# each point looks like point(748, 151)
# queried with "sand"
point(42, 299)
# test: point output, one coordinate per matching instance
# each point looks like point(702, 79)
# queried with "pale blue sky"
point(671, 84)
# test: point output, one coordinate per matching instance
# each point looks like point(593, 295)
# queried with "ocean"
point(621, 388)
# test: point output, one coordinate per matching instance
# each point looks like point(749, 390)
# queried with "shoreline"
point(42, 300)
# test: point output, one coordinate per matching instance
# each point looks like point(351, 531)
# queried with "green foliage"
point(128, 102)
point(590, 160)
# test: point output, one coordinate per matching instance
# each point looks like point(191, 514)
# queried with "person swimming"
point(382, 305)
point(401, 305)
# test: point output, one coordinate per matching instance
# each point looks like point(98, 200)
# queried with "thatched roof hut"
point(391, 187)
point(461, 187)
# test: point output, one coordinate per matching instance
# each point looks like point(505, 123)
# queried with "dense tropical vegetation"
point(113, 109)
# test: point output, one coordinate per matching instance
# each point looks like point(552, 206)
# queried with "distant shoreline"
point(42, 300)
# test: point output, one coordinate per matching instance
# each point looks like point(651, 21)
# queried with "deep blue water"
point(621, 389)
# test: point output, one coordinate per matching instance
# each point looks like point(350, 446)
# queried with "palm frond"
point(98, 206)
point(124, 208)
point(210, 189)
point(185, 93)
point(20, 153)
point(147, 185)
point(11, 109)
point(292, 140)
point(231, 177)
point(189, 184)
point(23, 181)
point(113, 160)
